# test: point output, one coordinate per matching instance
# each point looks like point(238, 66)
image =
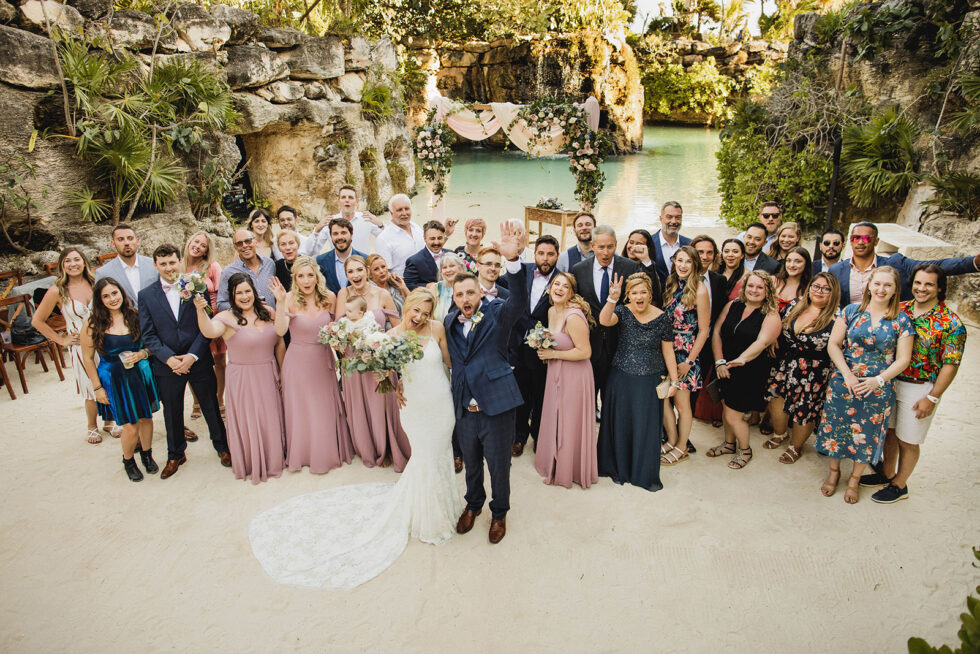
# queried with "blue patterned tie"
point(604, 285)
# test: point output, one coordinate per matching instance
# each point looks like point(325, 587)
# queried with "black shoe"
point(690, 448)
point(890, 494)
point(874, 479)
point(598, 415)
point(131, 470)
point(148, 462)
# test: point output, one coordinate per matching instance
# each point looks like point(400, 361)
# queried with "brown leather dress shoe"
point(498, 529)
point(171, 467)
point(189, 435)
point(466, 520)
point(225, 459)
point(517, 449)
point(458, 464)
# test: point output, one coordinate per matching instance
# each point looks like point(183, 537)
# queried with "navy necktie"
point(604, 285)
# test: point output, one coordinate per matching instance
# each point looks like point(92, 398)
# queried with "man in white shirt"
point(582, 226)
point(668, 240)
point(402, 238)
point(365, 225)
point(131, 269)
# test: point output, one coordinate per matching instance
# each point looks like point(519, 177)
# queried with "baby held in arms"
point(357, 315)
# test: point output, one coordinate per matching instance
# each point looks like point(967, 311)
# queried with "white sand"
point(745, 561)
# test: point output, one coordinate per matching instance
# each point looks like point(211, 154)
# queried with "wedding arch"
point(541, 128)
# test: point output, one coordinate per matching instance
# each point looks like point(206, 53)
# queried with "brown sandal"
point(828, 488)
point(853, 492)
point(791, 455)
point(774, 442)
point(670, 458)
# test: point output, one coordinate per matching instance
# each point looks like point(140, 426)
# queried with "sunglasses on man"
point(861, 238)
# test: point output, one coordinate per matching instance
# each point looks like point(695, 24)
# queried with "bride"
point(343, 537)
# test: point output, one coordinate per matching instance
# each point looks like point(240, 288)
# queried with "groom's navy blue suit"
point(482, 375)
point(166, 336)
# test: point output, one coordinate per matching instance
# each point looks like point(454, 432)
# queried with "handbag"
point(663, 388)
point(22, 333)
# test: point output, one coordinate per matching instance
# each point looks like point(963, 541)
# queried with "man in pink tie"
point(489, 264)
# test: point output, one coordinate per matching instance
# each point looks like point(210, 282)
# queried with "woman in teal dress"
point(449, 266)
point(122, 380)
point(870, 345)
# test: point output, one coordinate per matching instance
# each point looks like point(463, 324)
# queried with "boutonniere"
point(477, 317)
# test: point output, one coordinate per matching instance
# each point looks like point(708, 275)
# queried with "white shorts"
point(908, 428)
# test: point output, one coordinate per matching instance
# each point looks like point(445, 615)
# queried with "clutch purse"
point(663, 388)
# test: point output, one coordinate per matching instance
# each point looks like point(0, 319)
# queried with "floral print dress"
point(801, 371)
point(685, 321)
point(855, 428)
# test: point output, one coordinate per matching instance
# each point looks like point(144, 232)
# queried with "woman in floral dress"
point(798, 382)
point(870, 345)
point(687, 303)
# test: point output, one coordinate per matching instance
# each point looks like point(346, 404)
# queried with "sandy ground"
point(745, 561)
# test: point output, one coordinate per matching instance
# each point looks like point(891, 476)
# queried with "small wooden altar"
point(561, 218)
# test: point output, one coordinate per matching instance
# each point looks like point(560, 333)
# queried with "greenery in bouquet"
point(540, 338)
point(433, 148)
point(383, 354)
point(342, 334)
point(548, 203)
point(191, 284)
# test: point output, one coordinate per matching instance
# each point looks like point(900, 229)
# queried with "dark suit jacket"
point(166, 336)
point(767, 263)
point(421, 269)
point(529, 316)
point(662, 269)
point(327, 262)
point(955, 266)
point(655, 281)
point(481, 369)
point(586, 288)
point(719, 297)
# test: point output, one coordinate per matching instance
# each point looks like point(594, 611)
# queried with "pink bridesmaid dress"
point(373, 418)
point(256, 429)
point(566, 444)
point(316, 426)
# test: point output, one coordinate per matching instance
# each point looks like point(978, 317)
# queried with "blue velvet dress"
point(132, 392)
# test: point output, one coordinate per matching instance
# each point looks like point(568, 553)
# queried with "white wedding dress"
point(343, 537)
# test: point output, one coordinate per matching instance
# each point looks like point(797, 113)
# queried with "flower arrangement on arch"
point(433, 148)
point(586, 149)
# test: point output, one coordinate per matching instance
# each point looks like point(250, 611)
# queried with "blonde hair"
point(288, 232)
point(893, 303)
point(420, 295)
point(359, 258)
point(635, 280)
point(576, 300)
point(827, 314)
point(206, 261)
point(769, 303)
point(690, 295)
point(321, 295)
point(775, 250)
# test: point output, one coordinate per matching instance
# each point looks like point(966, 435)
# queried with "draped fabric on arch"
point(480, 125)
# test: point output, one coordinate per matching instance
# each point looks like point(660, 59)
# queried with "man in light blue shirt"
point(260, 269)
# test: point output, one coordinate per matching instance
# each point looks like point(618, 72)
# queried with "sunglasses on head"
point(861, 238)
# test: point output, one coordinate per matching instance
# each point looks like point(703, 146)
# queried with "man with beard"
point(131, 269)
point(770, 217)
point(754, 239)
point(831, 244)
point(332, 263)
point(364, 224)
point(668, 240)
point(423, 267)
point(531, 371)
point(582, 225)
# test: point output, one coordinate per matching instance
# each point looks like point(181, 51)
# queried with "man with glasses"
point(423, 267)
point(831, 245)
point(489, 264)
point(261, 270)
point(855, 273)
point(770, 218)
point(582, 225)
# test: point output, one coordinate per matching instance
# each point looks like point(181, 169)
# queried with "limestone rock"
point(253, 65)
point(279, 37)
point(199, 29)
point(803, 26)
point(285, 92)
point(7, 12)
point(383, 53)
point(243, 23)
point(458, 58)
point(132, 29)
point(315, 90)
point(316, 58)
point(351, 86)
point(357, 56)
point(64, 17)
point(93, 9)
point(27, 60)
point(265, 93)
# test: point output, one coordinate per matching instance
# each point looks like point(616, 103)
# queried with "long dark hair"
point(645, 234)
point(261, 313)
point(101, 318)
point(740, 271)
point(805, 276)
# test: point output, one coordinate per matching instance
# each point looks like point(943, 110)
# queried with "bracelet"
point(675, 384)
point(933, 399)
point(96, 390)
point(609, 300)
point(721, 362)
point(880, 380)
point(689, 362)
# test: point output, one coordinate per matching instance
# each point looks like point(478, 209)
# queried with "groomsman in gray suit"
point(132, 270)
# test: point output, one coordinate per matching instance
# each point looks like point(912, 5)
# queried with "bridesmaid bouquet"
point(383, 354)
point(189, 285)
point(540, 338)
point(341, 334)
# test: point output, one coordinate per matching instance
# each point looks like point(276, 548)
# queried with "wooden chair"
point(9, 309)
point(102, 258)
point(9, 280)
point(51, 268)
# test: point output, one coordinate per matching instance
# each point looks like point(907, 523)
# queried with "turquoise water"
point(676, 163)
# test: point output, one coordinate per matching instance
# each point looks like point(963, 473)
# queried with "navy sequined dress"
point(132, 392)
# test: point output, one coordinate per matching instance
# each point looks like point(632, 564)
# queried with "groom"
point(485, 392)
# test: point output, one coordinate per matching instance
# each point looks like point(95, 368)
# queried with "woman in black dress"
point(629, 434)
point(798, 383)
point(639, 248)
point(744, 331)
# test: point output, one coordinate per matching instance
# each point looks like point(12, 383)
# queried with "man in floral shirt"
point(940, 338)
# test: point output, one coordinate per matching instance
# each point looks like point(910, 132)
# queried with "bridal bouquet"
point(540, 338)
point(383, 354)
point(189, 285)
point(343, 333)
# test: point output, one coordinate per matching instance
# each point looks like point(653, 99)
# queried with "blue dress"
point(855, 428)
point(132, 393)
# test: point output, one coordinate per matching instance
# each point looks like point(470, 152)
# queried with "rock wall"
point(521, 70)
point(303, 132)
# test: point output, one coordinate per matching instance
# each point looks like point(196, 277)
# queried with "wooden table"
point(562, 218)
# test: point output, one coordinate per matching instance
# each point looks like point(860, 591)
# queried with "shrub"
point(700, 88)
point(878, 159)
